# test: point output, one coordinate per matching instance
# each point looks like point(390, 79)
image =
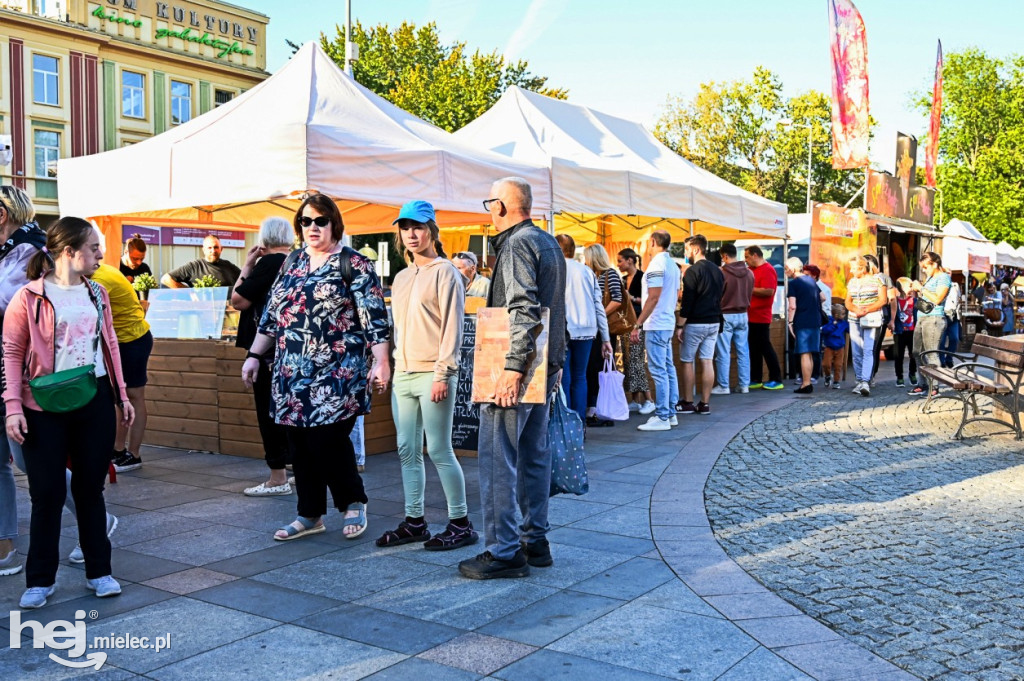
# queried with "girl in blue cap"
point(428, 300)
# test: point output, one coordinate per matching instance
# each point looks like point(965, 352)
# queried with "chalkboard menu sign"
point(466, 423)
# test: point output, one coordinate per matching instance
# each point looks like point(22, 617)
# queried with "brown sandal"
point(407, 533)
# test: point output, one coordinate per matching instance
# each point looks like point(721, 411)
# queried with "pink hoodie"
point(28, 344)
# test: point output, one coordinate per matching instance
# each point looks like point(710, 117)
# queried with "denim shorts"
point(807, 340)
point(698, 341)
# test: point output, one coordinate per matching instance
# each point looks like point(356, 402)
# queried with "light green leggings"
point(414, 413)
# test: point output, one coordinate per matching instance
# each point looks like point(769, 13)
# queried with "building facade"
point(79, 77)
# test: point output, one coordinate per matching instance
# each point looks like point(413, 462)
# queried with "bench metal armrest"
point(960, 356)
point(1012, 376)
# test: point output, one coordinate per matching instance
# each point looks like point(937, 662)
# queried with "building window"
point(222, 97)
point(133, 95)
point(45, 79)
point(181, 102)
point(47, 151)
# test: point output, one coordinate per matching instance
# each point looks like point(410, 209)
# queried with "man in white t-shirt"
point(660, 289)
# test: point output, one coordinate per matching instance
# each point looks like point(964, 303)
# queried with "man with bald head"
point(514, 456)
point(210, 264)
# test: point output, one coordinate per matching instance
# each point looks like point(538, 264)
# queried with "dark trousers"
point(86, 437)
point(876, 350)
point(322, 459)
point(905, 345)
point(275, 442)
point(761, 351)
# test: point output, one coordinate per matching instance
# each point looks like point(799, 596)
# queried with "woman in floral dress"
point(326, 314)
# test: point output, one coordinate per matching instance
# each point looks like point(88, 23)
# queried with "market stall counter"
point(195, 396)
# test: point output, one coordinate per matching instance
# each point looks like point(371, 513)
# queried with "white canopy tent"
point(960, 241)
point(309, 127)
point(1007, 256)
point(612, 180)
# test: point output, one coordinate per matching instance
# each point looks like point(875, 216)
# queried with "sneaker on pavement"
point(773, 385)
point(828, 381)
point(104, 586)
point(913, 379)
point(857, 387)
point(486, 566)
point(755, 386)
point(687, 408)
point(703, 408)
point(743, 389)
point(900, 383)
point(634, 407)
point(673, 421)
point(127, 462)
point(11, 564)
point(865, 390)
point(76, 554)
point(814, 381)
point(655, 423)
point(719, 390)
point(647, 409)
point(35, 596)
point(918, 391)
point(538, 554)
point(837, 385)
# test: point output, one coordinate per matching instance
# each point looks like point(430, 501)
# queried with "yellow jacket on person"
point(129, 319)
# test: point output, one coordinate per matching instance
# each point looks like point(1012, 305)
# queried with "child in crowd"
point(833, 337)
point(903, 331)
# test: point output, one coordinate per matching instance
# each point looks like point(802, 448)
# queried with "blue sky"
point(625, 58)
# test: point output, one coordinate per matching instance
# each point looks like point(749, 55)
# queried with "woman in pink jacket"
point(60, 321)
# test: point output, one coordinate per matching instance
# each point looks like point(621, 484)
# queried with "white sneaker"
point(719, 390)
point(857, 387)
point(673, 421)
point(743, 390)
point(77, 556)
point(655, 423)
point(648, 408)
point(814, 381)
point(634, 407)
point(105, 587)
point(837, 385)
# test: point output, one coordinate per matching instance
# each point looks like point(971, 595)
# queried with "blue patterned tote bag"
point(568, 463)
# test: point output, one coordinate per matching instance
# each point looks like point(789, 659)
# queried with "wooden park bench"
point(999, 380)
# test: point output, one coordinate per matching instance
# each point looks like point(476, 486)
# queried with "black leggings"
point(86, 437)
point(905, 345)
point(322, 459)
point(275, 442)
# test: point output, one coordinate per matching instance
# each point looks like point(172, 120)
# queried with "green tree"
point(733, 130)
point(444, 84)
point(980, 173)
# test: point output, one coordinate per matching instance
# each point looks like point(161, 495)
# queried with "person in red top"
point(759, 317)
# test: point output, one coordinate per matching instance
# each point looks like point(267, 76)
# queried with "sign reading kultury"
point(493, 340)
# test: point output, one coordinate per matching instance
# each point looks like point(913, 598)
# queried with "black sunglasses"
point(488, 202)
point(321, 221)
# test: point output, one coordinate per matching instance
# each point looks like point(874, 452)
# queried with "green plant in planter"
point(145, 283)
point(206, 281)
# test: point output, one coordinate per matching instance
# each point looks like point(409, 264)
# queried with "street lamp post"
point(348, 37)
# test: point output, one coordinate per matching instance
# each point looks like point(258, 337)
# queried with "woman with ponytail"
point(60, 323)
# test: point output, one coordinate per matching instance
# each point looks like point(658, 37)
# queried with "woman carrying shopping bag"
point(63, 378)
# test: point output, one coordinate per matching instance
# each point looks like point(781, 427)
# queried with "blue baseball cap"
point(420, 211)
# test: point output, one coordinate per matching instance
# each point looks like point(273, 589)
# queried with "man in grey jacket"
point(514, 454)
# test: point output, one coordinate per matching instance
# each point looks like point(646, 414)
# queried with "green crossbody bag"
point(71, 389)
point(66, 390)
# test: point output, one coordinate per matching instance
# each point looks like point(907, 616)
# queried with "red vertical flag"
point(849, 46)
point(931, 154)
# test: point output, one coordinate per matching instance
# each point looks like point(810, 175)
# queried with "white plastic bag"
point(611, 399)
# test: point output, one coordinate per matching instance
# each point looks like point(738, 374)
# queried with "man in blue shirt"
point(805, 299)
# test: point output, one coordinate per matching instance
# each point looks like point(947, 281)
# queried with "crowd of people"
point(320, 341)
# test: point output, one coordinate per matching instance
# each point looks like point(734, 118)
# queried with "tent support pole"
point(785, 308)
point(691, 221)
point(551, 223)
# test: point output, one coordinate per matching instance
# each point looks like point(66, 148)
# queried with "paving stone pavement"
point(866, 515)
point(640, 588)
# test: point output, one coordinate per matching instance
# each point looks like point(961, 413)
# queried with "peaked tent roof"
point(307, 127)
point(960, 240)
point(963, 229)
point(604, 166)
point(1007, 255)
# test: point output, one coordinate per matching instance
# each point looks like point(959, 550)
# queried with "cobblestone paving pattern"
point(866, 515)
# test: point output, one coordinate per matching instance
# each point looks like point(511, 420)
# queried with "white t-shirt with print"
point(75, 333)
point(662, 272)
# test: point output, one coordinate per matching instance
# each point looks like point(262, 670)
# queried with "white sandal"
point(265, 490)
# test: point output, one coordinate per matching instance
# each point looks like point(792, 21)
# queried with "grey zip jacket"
point(529, 274)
